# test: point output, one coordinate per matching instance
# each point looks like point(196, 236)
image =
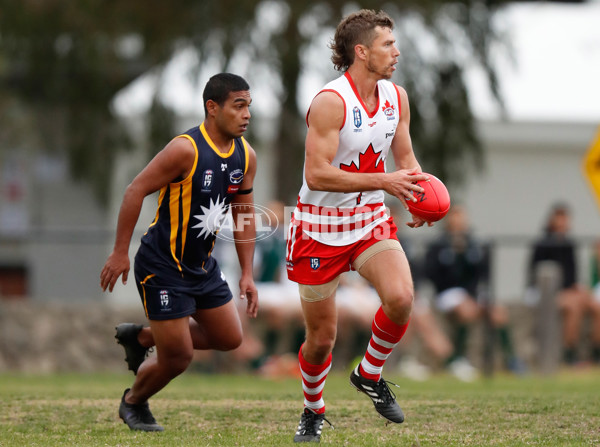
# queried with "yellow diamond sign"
point(591, 166)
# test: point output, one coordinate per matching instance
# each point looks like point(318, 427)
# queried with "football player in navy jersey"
point(200, 174)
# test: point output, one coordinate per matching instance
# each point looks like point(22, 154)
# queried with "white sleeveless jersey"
point(335, 218)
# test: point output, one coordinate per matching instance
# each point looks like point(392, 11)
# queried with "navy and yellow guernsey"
point(179, 241)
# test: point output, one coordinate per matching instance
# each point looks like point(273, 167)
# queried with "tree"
point(63, 63)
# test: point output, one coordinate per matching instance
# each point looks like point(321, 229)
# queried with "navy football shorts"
point(166, 298)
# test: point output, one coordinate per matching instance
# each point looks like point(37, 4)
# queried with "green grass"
point(214, 410)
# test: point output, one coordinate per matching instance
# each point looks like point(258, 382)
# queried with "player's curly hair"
point(356, 28)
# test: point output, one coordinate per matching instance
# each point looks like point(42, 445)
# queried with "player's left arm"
point(244, 234)
point(401, 147)
point(402, 150)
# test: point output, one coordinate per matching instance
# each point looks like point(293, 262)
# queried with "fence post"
point(548, 277)
point(487, 299)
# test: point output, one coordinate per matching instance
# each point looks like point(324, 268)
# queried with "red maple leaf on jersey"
point(368, 161)
point(387, 105)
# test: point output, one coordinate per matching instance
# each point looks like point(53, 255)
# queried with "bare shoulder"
point(181, 146)
point(327, 98)
point(173, 163)
point(251, 157)
point(327, 109)
point(401, 90)
point(402, 93)
point(404, 106)
point(251, 151)
point(177, 156)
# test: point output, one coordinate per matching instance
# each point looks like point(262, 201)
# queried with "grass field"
point(212, 410)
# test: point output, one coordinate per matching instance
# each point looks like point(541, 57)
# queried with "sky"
point(549, 72)
point(555, 74)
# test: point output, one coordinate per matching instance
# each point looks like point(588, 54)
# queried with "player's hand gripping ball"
point(432, 204)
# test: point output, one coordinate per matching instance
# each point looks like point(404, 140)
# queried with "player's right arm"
point(173, 163)
point(325, 120)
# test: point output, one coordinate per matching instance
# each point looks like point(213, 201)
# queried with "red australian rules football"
point(432, 204)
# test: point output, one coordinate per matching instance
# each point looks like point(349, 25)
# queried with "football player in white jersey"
point(341, 223)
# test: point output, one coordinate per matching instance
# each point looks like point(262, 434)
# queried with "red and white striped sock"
point(313, 382)
point(386, 335)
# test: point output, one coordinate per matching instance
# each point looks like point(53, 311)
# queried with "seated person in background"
point(458, 267)
point(427, 329)
point(595, 304)
point(574, 300)
point(424, 325)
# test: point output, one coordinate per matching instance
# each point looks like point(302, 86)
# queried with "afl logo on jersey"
point(165, 301)
point(389, 111)
point(236, 176)
point(315, 263)
point(357, 118)
point(207, 180)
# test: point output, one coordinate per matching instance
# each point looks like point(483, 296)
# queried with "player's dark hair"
point(357, 28)
point(220, 85)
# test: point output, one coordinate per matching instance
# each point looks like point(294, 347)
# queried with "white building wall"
point(64, 245)
point(530, 166)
